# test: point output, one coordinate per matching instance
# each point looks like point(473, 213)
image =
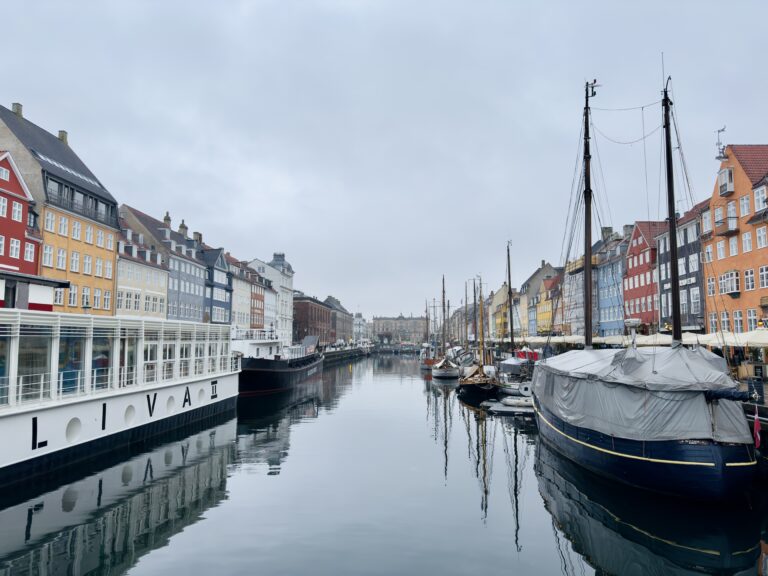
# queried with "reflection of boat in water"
point(440, 398)
point(105, 522)
point(619, 530)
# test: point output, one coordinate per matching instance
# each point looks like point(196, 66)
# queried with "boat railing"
point(33, 387)
point(257, 335)
point(3, 389)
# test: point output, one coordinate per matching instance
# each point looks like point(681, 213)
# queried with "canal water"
point(369, 469)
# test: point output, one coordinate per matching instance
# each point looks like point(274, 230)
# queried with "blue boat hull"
point(693, 469)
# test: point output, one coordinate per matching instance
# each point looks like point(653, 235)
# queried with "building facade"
point(341, 321)
point(359, 327)
point(218, 283)
point(734, 237)
point(142, 279)
point(610, 284)
point(641, 296)
point(280, 273)
point(529, 293)
point(311, 317)
point(78, 215)
point(400, 329)
point(186, 273)
point(689, 269)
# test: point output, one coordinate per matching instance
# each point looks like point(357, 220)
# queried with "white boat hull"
point(446, 373)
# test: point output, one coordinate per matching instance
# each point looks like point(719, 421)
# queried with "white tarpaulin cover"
point(653, 393)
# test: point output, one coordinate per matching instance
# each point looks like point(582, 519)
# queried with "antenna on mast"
point(720, 146)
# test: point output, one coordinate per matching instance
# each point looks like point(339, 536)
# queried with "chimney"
point(167, 219)
point(63, 136)
point(543, 263)
point(198, 237)
point(606, 232)
point(183, 228)
point(628, 230)
point(16, 107)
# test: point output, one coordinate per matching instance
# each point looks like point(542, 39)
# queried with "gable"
point(15, 184)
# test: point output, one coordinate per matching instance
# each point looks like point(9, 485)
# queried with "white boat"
point(445, 369)
point(73, 387)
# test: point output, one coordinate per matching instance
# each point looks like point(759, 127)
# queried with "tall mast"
point(426, 312)
point(677, 334)
point(509, 302)
point(589, 91)
point(448, 316)
point(443, 343)
point(482, 328)
point(474, 307)
point(466, 316)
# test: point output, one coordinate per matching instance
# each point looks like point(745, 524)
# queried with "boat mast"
point(589, 91)
point(509, 303)
point(448, 316)
point(443, 343)
point(466, 316)
point(426, 313)
point(482, 328)
point(474, 307)
point(677, 334)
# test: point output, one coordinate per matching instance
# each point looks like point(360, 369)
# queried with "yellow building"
point(76, 215)
point(549, 297)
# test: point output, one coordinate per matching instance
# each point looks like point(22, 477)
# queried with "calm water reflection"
point(371, 469)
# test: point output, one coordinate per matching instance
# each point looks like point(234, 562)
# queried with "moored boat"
point(445, 369)
point(661, 419)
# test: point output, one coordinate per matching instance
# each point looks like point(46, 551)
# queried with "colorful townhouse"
point(529, 293)
point(641, 297)
point(689, 269)
point(610, 287)
point(20, 285)
point(142, 277)
point(549, 300)
point(77, 214)
point(734, 237)
point(186, 273)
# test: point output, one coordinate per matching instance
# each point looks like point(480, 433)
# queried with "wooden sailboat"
point(475, 380)
point(445, 367)
point(662, 419)
point(427, 352)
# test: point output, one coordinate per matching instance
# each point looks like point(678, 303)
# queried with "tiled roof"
point(54, 155)
point(154, 226)
point(650, 229)
point(692, 214)
point(753, 158)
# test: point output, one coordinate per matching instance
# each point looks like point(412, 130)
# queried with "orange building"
point(734, 241)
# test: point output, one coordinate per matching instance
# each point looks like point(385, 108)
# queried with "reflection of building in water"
point(621, 530)
point(105, 522)
point(404, 366)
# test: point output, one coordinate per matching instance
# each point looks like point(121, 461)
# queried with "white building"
point(359, 328)
point(280, 273)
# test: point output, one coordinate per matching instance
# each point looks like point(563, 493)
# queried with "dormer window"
point(725, 181)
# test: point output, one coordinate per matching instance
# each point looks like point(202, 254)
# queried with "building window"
point(63, 225)
point(760, 203)
point(707, 255)
point(108, 269)
point(154, 303)
point(97, 298)
point(87, 263)
point(733, 246)
point(3, 207)
point(72, 296)
point(729, 282)
point(50, 221)
point(107, 299)
point(61, 259)
point(712, 322)
point(48, 256)
point(76, 227)
point(89, 233)
point(746, 242)
point(751, 319)
point(100, 238)
point(162, 305)
point(744, 205)
point(74, 263)
point(693, 263)
point(119, 301)
point(681, 266)
point(718, 216)
point(738, 321)
point(29, 252)
point(15, 248)
point(763, 274)
point(762, 237)
point(58, 296)
point(110, 242)
point(683, 301)
point(695, 301)
point(706, 222)
point(749, 279)
point(146, 303)
point(725, 322)
point(721, 249)
point(99, 267)
point(16, 212)
point(86, 297)
point(137, 301)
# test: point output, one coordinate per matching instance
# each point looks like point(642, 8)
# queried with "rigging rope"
point(630, 142)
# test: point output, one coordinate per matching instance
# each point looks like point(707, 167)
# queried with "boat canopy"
point(654, 393)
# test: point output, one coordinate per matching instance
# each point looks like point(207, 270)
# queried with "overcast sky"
point(381, 144)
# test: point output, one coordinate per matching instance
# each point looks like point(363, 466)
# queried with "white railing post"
point(114, 376)
point(87, 360)
point(13, 368)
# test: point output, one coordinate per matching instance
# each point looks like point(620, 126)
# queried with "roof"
point(753, 159)
point(154, 226)
point(689, 216)
point(550, 283)
point(336, 305)
point(650, 229)
point(33, 279)
point(135, 242)
point(54, 156)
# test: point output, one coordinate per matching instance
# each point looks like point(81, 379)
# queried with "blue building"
point(610, 289)
point(218, 284)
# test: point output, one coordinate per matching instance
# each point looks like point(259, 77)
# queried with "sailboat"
point(427, 353)
point(475, 381)
point(445, 367)
point(665, 419)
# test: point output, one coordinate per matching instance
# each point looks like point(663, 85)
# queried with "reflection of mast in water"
point(442, 417)
point(513, 480)
point(482, 458)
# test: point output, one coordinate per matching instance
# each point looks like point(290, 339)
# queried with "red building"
point(19, 243)
point(641, 295)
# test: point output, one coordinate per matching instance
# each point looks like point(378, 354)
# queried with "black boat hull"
point(691, 469)
point(260, 377)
